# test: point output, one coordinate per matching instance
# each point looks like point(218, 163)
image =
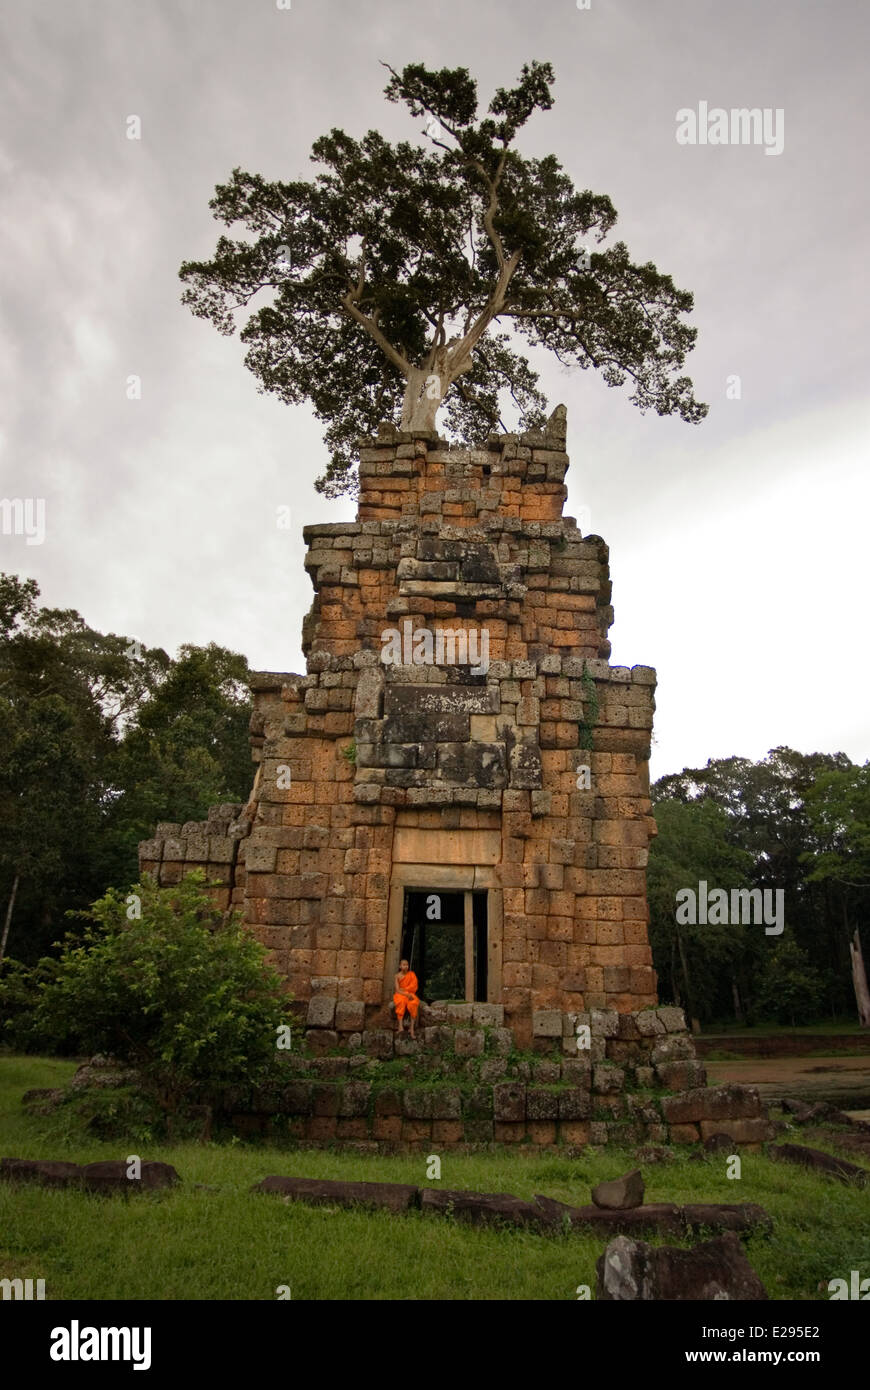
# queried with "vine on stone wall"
point(590, 709)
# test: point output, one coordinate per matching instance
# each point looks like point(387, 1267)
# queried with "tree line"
point(794, 822)
point(101, 738)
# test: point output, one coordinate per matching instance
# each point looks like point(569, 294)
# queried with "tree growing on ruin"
point(406, 276)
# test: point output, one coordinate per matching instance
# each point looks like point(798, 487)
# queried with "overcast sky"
point(738, 547)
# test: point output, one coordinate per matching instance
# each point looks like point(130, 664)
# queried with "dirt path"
point(843, 1080)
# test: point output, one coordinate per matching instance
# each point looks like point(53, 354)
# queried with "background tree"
point(386, 276)
point(702, 967)
point(189, 746)
point(772, 811)
point(839, 810)
point(790, 989)
point(99, 738)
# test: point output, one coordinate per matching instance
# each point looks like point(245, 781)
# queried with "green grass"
point(232, 1244)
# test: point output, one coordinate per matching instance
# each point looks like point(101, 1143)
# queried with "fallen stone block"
point(46, 1172)
point(111, 1176)
point(391, 1196)
point(482, 1208)
point(43, 1100)
point(733, 1102)
point(620, 1193)
point(717, 1270)
point(822, 1162)
point(663, 1218)
point(798, 1108)
point(725, 1216)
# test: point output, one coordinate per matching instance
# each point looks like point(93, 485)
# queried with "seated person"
point(405, 996)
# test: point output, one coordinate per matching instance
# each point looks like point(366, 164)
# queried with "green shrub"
point(181, 992)
point(791, 990)
point(20, 988)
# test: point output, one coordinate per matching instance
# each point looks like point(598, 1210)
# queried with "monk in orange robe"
point(405, 996)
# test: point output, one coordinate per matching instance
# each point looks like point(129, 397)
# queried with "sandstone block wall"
point(211, 845)
point(376, 778)
point(464, 1082)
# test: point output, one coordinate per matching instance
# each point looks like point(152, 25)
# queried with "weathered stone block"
point(481, 1208)
point(501, 1041)
point(715, 1270)
point(604, 1023)
point(606, 1080)
point(355, 1099)
point(321, 1011)
point(488, 1015)
point(719, 1103)
point(493, 1069)
point(438, 1038)
point(681, 1076)
point(350, 1015)
point(577, 1070)
point(541, 1104)
point(674, 1019)
point(112, 1175)
point(684, 1134)
point(547, 1073)
point(672, 1049)
point(393, 1197)
point(648, 1023)
point(509, 1102)
point(620, 1194)
point(378, 1042)
point(748, 1131)
point(546, 1023)
point(575, 1103)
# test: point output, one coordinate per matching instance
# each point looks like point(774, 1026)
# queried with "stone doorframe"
point(453, 878)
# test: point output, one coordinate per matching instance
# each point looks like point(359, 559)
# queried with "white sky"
point(738, 547)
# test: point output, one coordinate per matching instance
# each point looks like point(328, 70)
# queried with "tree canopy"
point(792, 821)
point(101, 737)
point(405, 276)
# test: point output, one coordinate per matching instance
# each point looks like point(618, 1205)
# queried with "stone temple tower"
point(461, 777)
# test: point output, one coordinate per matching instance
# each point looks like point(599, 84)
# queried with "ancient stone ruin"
point(460, 779)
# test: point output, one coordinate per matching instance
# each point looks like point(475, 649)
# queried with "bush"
point(791, 990)
point(180, 992)
point(20, 988)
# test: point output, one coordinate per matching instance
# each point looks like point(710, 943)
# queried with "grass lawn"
point(220, 1241)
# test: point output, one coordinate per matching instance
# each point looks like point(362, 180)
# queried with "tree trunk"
point(859, 980)
point(738, 1008)
point(423, 395)
point(428, 385)
point(8, 922)
point(685, 975)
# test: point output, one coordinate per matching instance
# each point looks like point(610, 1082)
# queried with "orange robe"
point(408, 983)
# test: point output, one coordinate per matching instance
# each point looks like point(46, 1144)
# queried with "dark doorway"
point(444, 939)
